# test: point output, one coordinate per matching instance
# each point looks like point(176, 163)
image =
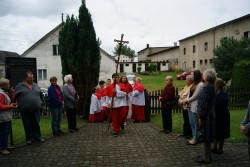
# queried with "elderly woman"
point(55, 101)
point(70, 98)
point(222, 117)
point(167, 94)
point(192, 99)
point(206, 114)
point(6, 96)
point(187, 132)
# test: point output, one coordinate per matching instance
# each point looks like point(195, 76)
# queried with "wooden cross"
point(120, 42)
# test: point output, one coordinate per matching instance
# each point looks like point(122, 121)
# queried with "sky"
point(154, 22)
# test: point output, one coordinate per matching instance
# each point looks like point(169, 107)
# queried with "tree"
point(80, 55)
point(228, 53)
point(125, 50)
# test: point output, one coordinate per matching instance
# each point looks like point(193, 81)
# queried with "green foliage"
point(139, 69)
point(125, 50)
point(228, 53)
point(145, 73)
point(152, 67)
point(241, 73)
point(177, 69)
point(80, 54)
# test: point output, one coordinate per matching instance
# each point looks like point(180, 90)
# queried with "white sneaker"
point(5, 152)
point(125, 123)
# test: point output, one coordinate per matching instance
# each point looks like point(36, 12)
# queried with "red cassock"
point(138, 103)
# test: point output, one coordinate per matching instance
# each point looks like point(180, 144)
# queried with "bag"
point(173, 101)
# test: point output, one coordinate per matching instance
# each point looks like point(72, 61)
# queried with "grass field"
point(236, 117)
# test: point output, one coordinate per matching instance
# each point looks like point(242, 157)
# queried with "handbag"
point(173, 101)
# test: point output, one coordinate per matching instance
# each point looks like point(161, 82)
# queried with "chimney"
point(147, 46)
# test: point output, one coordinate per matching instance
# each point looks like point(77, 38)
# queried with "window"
point(246, 34)
point(139, 64)
point(210, 61)
point(42, 74)
point(193, 64)
point(193, 48)
point(206, 46)
point(127, 65)
point(163, 64)
point(205, 61)
point(201, 61)
point(184, 51)
point(55, 50)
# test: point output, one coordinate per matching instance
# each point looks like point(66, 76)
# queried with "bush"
point(145, 73)
point(177, 69)
point(139, 69)
point(241, 74)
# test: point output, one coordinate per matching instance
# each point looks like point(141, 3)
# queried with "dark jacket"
point(167, 94)
point(53, 100)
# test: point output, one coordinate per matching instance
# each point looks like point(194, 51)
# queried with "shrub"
point(241, 73)
point(139, 69)
point(177, 69)
point(145, 73)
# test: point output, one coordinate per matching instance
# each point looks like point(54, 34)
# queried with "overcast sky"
point(154, 22)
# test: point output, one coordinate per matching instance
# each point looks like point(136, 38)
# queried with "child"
point(95, 107)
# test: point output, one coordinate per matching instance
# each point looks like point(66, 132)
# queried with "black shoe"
point(60, 132)
point(167, 131)
point(56, 134)
point(215, 151)
point(115, 134)
point(71, 130)
point(28, 142)
point(39, 140)
point(76, 129)
point(122, 127)
point(220, 151)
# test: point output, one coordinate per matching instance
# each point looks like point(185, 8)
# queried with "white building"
point(49, 61)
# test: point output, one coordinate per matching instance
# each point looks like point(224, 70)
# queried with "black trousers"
point(167, 119)
point(71, 116)
point(187, 131)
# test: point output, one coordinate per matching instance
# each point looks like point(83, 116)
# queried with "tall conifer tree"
point(80, 55)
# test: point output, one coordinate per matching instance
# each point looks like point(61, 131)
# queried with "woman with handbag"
point(166, 109)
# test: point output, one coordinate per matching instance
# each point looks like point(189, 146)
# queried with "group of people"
point(112, 100)
point(205, 111)
point(28, 98)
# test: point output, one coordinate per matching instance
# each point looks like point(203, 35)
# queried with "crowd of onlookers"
point(205, 112)
point(203, 100)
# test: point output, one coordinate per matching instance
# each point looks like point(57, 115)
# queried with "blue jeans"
point(193, 123)
point(31, 125)
point(4, 134)
point(56, 114)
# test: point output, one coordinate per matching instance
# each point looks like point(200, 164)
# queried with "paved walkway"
point(140, 144)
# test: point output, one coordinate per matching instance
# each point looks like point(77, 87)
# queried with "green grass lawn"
point(236, 117)
point(45, 125)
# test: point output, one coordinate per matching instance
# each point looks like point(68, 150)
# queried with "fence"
point(238, 99)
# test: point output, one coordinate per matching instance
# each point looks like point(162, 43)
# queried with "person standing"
point(95, 114)
point(138, 101)
point(206, 114)
point(70, 98)
point(187, 132)
point(167, 94)
point(191, 101)
point(245, 127)
point(222, 117)
point(6, 99)
point(29, 100)
point(115, 94)
point(125, 102)
point(55, 102)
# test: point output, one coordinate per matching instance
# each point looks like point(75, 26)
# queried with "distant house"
point(3, 55)
point(196, 51)
point(46, 52)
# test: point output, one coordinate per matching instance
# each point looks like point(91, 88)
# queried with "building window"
point(127, 64)
point(55, 50)
point(193, 64)
point(206, 46)
point(201, 61)
point(210, 61)
point(42, 74)
point(163, 64)
point(139, 64)
point(205, 61)
point(184, 51)
point(246, 34)
point(193, 48)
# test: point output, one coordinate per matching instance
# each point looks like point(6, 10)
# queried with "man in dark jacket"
point(29, 100)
